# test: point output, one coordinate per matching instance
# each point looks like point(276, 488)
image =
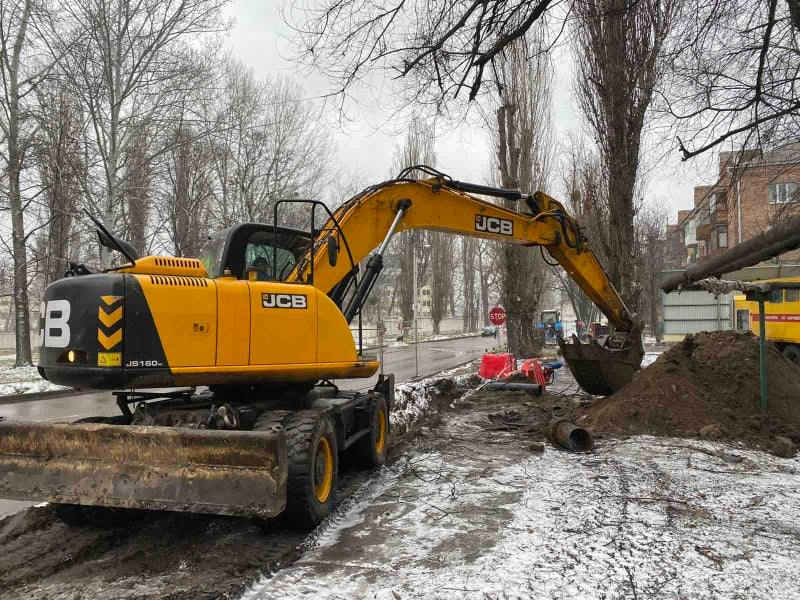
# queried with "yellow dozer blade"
point(240, 473)
point(602, 369)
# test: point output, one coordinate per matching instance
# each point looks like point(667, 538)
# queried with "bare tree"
point(22, 69)
point(131, 63)
point(186, 198)
point(136, 192)
point(469, 268)
point(524, 159)
point(585, 185)
point(417, 149)
point(618, 52)
point(440, 49)
point(651, 226)
point(733, 75)
point(268, 146)
point(61, 172)
point(443, 250)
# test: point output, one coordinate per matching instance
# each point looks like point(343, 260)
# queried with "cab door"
point(283, 323)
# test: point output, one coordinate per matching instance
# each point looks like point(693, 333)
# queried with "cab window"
point(259, 257)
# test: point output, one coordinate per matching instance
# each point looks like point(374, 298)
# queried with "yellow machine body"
point(232, 331)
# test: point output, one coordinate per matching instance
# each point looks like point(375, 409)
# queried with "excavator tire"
point(313, 465)
point(370, 451)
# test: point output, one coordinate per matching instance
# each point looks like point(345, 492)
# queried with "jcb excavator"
point(263, 321)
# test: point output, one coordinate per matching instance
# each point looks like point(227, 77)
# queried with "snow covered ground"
point(475, 514)
point(650, 358)
point(22, 380)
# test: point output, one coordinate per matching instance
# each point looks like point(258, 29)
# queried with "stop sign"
point(497, 316)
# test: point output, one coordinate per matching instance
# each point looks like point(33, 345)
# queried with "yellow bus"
point(781, 316)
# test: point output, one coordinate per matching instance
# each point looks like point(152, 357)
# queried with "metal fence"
point(692, 312)
point(447, 326)
point(8, 340)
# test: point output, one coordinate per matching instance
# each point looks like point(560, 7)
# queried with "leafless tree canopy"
point(619, 55)
point(734, 74)
point(524, 155)
point(442, 48)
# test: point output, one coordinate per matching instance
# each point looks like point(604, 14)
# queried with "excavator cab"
point(256, 251)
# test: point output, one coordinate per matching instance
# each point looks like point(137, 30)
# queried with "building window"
point(780, 193)
point(690, 232)
point(722, 238)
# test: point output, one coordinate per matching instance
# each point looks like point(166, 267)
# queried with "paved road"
point(433, 357)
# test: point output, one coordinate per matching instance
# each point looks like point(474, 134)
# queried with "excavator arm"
point(370, 219)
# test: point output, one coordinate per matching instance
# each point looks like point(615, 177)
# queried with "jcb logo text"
point(494, 225)
point(284, 301)
point(54, 329)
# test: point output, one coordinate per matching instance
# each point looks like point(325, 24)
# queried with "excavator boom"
point(369, 219)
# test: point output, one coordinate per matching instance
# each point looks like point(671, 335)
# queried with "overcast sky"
point(368, 143)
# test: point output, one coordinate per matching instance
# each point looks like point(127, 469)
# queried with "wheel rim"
point(380, 442)
point(323, 470)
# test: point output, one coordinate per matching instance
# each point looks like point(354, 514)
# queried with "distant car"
point(490, 331)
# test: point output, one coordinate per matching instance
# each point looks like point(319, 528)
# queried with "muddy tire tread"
point(300, 431)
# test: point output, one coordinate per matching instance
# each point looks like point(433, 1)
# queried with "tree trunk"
point(484, 307)
point(522, 279)
point(22, 325)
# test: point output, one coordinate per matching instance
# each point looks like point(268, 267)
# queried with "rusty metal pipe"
point(768, 244)
point(570, 436)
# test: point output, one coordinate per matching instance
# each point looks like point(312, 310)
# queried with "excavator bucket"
point(603, 368)
point(240, 473)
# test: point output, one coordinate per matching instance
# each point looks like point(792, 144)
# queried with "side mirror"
point(333, 250)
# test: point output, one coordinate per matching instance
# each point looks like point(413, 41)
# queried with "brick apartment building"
point(752, 192)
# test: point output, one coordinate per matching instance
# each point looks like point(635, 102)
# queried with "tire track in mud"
point(172, 556)
point(150, 555)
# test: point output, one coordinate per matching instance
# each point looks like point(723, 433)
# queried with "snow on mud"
point(477, 516)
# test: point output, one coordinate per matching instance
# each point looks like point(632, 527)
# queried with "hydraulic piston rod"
point(374, 265)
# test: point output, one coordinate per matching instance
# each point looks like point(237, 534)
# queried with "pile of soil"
point(709, 379)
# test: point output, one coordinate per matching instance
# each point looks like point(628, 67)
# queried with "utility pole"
point(416, 310)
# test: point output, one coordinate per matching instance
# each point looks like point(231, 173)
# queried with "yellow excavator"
point(263, 322)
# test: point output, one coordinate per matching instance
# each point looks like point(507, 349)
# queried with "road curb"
point(41, 395)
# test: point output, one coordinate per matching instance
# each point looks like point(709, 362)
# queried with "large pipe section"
point(768, 244)
point(570, 436)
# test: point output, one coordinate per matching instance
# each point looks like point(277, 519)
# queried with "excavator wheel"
point(313, 464)
point(370, 451)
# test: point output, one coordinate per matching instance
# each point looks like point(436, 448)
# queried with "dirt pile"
point(710, 380)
